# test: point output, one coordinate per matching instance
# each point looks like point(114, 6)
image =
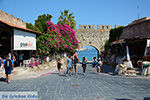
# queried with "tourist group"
point(71, 64)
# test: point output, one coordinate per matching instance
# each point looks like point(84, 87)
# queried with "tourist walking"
point(21, 59)
point(59, 63)
point(76, 60)
point(99, 65)
point(14, 60)
point(94, 63)
point(8, 65)
point(69, 66)
point(16, 63)
point(72, 60)
point(10, 55)
point(84, 61)
point(1, 61)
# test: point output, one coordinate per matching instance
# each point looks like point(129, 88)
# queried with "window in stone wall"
point(84, 27)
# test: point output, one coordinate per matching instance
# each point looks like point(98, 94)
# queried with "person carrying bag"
point(8, 65)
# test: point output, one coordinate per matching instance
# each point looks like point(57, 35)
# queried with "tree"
point(58, 39)
point(115, 34)
point(66, 18)
point(40, 23)
point(32, 27)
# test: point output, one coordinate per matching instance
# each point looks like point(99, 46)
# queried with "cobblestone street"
point(92, 86)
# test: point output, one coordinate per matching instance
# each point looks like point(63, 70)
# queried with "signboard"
point(24, 40)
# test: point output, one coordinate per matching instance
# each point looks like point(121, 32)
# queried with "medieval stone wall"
point(96, 37)
point(11, 19)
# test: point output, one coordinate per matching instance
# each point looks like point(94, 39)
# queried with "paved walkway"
point(92, 86)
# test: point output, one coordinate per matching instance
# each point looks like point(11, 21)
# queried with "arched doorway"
point(89, 52)
point(5, 43)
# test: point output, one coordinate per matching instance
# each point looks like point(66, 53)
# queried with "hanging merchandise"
point(147, 49)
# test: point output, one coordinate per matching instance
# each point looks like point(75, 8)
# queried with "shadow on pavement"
point(146, 98)
point(80, 74)
point(108, 69)
point(2, 79)
point(54, 73)
point(93, 73)
point(62, 75)
point(123, 99)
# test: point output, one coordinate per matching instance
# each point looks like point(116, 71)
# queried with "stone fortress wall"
point(92, 27)
point(11, 19)
point(96, 37)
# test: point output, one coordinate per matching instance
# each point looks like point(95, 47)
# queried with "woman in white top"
point(99, 65)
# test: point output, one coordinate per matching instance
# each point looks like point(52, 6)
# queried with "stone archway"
point(88, 35)
point(98, 51)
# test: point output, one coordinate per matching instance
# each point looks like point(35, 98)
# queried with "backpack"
point(8, 63)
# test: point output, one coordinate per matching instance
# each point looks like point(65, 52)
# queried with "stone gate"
point(96, 37)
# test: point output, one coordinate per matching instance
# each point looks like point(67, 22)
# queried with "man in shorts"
point(8, 65)
point(69, 65)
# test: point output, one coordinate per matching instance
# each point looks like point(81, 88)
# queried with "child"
point(69, 65)
point(94, 63)
point(84, 64)
point(99, 65)
point(59, 63)
point(32, 62)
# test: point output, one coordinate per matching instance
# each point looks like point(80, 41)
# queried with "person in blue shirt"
point(8, 65)
point(69, 65)
point(1, 61)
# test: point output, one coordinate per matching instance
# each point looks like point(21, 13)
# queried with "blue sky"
point(103, 12)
